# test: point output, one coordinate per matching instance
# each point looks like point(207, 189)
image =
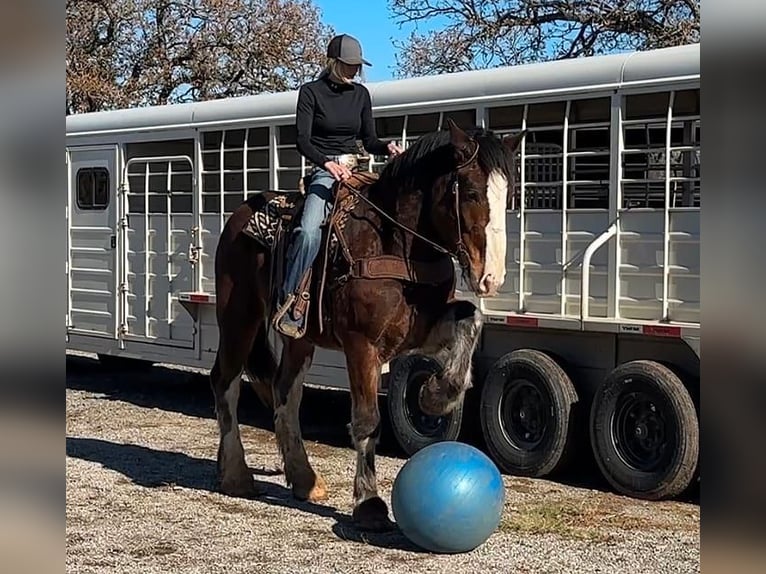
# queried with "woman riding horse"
point(333, 112)
point(390, 283)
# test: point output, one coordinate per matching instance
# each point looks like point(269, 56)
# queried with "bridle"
point(461, 252)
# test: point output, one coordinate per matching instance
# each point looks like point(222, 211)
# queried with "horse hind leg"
point(233, 476)
point(451, 342)
point(297, 356)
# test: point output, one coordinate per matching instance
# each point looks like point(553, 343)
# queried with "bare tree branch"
point(139, 52)
point(476, 34)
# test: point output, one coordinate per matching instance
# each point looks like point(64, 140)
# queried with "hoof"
point(315, 492)
point(434, 398)
point(372, 515)
point(240, 487)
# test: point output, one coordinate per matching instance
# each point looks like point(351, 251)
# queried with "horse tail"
point(262, 366)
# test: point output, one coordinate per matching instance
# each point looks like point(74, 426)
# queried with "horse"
point(390, 284)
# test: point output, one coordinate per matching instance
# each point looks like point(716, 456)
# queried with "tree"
point(475, 34)
point(124, 53)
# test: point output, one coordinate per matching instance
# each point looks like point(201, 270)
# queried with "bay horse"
point(390, 291)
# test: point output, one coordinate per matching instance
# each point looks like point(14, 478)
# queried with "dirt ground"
point(140, 468)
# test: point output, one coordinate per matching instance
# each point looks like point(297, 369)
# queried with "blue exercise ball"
point(448, 497)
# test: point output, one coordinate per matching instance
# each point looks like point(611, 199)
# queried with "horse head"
point(469, 206)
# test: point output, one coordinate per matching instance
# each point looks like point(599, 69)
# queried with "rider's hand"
point(339, 172)
point(394, 149)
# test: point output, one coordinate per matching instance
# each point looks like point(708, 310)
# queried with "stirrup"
point(280, 312)
point(276, 322)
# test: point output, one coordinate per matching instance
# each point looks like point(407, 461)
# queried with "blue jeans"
point(307, 236)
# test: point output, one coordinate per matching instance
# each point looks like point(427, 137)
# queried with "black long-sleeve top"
point(331, 117)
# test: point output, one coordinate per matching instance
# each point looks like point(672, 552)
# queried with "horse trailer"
point(593, 341)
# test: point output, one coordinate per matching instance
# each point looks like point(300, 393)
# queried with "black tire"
point(526, 412)
point(644, 431)
point(412, 428)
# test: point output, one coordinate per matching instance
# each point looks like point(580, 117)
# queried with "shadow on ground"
point(324, 413)
point(153, 468)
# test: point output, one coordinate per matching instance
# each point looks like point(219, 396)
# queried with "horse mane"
point(431, 155)
point(411, 175)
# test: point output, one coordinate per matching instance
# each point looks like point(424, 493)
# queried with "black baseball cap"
point(347, 49)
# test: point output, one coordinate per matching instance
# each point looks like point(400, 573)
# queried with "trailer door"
point(158, 241)
point(92, 241)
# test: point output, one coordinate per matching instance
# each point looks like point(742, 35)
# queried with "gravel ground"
point(140, 467)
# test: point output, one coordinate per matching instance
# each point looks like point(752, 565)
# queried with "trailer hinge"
point(194, 250)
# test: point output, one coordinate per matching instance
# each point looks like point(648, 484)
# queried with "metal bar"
point(481, 121)
point(124, 249)
point(244, 166)
point(666, 214)
point(101, 228)
point(154, 159)
point(273, 183)
point(615, 204)
point(481, 116)
point(658, 121)
point(70, 191)
point(522, 210)
point(146, 250)
point(197, 210)
point(220, 182)
point(564, 203)
point(168, 245)
point(657, 148)
point(585, 275)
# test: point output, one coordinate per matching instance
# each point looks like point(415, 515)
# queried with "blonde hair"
point(333, 69)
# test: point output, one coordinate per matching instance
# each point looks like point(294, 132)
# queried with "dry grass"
point(601, 517)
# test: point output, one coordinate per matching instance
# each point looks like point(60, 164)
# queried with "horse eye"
point(473, 194)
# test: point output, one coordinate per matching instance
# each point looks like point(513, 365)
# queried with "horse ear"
point(458, 138)
point(512, 142)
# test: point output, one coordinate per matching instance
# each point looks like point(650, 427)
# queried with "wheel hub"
point(640, 427)
point(524, 411)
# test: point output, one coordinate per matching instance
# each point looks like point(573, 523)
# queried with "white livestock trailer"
point(594, 339)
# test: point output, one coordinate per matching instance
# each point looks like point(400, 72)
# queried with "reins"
point(461, 253)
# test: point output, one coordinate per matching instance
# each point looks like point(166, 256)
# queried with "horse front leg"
point(451, 342)
point(363, 365)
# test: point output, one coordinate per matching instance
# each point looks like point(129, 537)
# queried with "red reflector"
point(662, 331)
point(521, 321)
point(199, 298)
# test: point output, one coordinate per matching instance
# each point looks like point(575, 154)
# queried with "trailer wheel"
point(412, 428)
point(526, 413)
point(644, 431)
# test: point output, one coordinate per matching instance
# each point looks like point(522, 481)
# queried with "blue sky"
point(372, 24)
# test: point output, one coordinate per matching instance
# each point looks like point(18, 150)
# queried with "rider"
point(332, 113)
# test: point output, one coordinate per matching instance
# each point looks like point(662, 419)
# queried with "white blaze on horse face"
point(496, 240)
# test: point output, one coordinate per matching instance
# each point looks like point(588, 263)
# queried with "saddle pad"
point(270, 210)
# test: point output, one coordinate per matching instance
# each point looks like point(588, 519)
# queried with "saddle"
point(275, 214)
